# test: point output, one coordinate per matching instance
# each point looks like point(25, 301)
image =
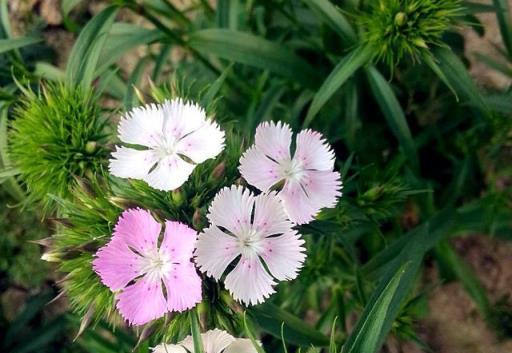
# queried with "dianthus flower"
point(173, 138)
point(307, 177)
point(139, 267)
point(214, 341)
point(255, 233)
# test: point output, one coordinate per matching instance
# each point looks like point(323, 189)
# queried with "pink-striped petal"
point(168, 348)
point(274, 140)
point(142, 302)
point(232, 209)
point(269, 215)
point(283, 255)
point(138, 229)
point(179, 241)
point(313, 151)
point(142, 126)
point(170, 173)
point(131, 163)
point(183, 286)
point(116, 264)
point(214, 341)
point(259, 170)
point(202, 144)
point(241, 345)
point(296, 203)
point(182, 118)
point(215, 251)
point(249, 282)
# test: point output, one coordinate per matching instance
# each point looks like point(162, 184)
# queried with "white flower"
point(173, 138)
point(309, 182)
point(254, 233)
point(214, 341)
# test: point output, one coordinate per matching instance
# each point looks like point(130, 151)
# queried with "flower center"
point(292, 169)
point(248, 242)
point(156, 265)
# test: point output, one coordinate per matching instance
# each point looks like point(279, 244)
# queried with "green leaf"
point(227, 14)
point(452, 263)
point(251, 336)
point(339, 75)
point(214, 89)
point(503, 14)
point(130, 100)
point(196, 332)
point(122, 38)
point(455, 75)
point(10, 184)
point(270, 318)
point(384, 305)
point(49, 72)
point(68, 5)
point(87, 49)
point(5, 26)
point(393, 113)
point(251, 50)
point(334, 19)
point(16, 43)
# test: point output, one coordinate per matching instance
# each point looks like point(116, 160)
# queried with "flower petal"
point(303, 200)
point(138, 229)
point(259, 170)
point(314, 151)
point(142, 302)
point(232, 209)
point(269, 215)
point(142, 125)
point(215, 251)
point(116, 264)
point(283, 255)
point(214, 341)
point(131, 163)
point(274, 140)
point(241, 345)
point(168, 348)
point(183, 287)
point(202, 144)
point(179, 241)
point(182, 118)
point(169, 174)
point(249, 282)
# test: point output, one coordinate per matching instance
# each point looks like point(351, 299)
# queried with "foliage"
point(423, 152)
point(56, 136)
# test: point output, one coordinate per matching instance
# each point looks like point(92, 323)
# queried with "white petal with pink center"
point(169, 140)
point(251, 240)
point(308, 180)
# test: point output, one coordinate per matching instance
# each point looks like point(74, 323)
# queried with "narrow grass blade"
point(393, 113)
point(196, 332)
point(384, 305)
point(456, 76)
point(16, 43)
point(503, 14)
point(255, 51)
point(339, 75)
point(452, 263)
point(86, 51)
point(270, 318)
point(68, 5)
point(334, 19)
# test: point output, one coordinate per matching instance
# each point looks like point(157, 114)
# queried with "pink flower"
point(309, 182)
point(137, 266)
point(253, 233)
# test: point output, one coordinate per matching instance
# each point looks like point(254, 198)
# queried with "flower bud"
point(90, 147)
point(51, 256)
point(400, 19)
point(177, 197)
point(218, 171)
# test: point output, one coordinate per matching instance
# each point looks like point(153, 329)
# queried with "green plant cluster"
point(423, 151)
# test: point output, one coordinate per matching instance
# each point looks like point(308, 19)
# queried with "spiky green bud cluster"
point(57, 135)
point(400, 29)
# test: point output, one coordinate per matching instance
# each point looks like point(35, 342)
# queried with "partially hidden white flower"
point(254, 233)
point(171, 139)
point(214, 341)
point(308, 180)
